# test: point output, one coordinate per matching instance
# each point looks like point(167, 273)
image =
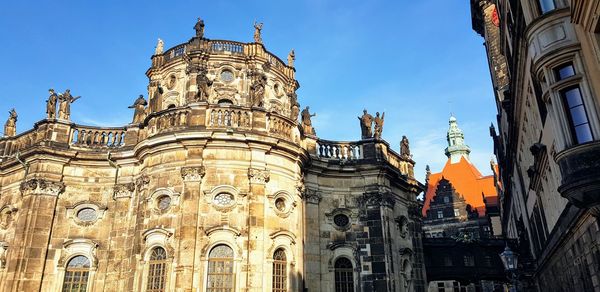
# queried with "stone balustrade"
point(280, 126)
point(220, 46)
point(339, 150)
point(96, 137)
point(229, 117)
point(168, 120)
point(11, 145)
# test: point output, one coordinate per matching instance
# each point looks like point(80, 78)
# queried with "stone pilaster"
point(35, 222)
point(257, 180)
point(188, 226)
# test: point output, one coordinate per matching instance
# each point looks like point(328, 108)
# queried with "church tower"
point(456, 142)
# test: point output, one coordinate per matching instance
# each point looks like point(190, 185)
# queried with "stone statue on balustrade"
point(378, 125)
point(257, 90)
point(139, 113)
point(366, 125)
point(160, 45)
point(291, 58)
point(257, 28)
point(51, 104)
point(306, 122)
point(199, 27)
point(10, 128)
point(204, 84)
point(404, 147)
point(64, 108)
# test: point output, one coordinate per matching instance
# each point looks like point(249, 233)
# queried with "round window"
point(341, 220)
point(87, 215)
point(227, 76)
point(164, 202)
point(223, 200)
point(280, 204)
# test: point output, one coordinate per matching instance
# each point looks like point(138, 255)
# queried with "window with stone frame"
point(76, 274)
point(546, 6)
point(157, 270)
point(279, 271)
point(344, 275)
point(220, 269)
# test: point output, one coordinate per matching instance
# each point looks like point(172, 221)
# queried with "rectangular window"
point(447, 261)
point(547, 5)
point(456, 213)
point(440, 214)
point(565, 71)
point(446, 200)
point(576, 113)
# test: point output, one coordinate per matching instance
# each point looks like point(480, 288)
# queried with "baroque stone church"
point(215, 186)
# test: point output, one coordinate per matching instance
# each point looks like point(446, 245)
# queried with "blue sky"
point(416, 60)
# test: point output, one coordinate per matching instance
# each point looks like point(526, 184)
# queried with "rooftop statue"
point(140, 110)
point(257, 89)
point(306, 122)
point(51, 104)
point(291, 58)
point(378, 125)
point(10, 128)
point(64, 109)
point(199, 27)
point(159, 47)
point(257, 28)
point(203, 84)
point(366, 125)
point(404, 147)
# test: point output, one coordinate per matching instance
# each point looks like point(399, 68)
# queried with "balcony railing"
point(220, 46)
point(339, 150)
point(280, 126)
point(93, 137)
point(168, 120)
point(225, 117)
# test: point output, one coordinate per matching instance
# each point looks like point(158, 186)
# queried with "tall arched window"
point(157, 270)
point(279, 271)
point(76, 275)
point(344, 275)
point(220, 269)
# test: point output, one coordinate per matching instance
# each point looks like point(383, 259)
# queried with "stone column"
point(256, 229)
point(33, 228)
point(188, 229)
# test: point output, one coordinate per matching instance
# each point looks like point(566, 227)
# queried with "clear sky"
point(416, 60)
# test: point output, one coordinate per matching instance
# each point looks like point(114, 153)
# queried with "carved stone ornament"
point(312, 196)
point(402, 225)
point(124, 190)
point(192, 173)
point(43, 187)
point(376, 199)
point(142, 182)
point(258, 176)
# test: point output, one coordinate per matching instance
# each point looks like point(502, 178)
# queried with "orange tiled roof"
point(466, 180)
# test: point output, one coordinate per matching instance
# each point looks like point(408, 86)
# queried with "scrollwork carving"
point(124, 190)
point(193, 173)
point(312, 196)
point(258, 175)
point(36, 186)
point(142, 182)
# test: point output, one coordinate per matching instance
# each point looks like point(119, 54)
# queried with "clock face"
point(227, 76)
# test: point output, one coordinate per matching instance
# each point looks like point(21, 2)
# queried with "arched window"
point(344, 275)
point(279, 271)
point(157, 270)
point(220, 269)
point(76, 275)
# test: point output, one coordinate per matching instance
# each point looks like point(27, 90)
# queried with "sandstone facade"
point(215, 184)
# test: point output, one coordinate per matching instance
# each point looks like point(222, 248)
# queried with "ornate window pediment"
point(341, 218)
point(79, 247)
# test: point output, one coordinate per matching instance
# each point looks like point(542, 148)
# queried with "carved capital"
point(258, 176)
point(312, 196)
point(124, 190)
point(142, 182)
point(36, 186)
point(193, 173)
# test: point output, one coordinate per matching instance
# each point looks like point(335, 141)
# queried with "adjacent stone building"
point(544, 58)
point(214, 186)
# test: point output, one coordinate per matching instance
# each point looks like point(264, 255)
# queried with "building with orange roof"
point(457, 199)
